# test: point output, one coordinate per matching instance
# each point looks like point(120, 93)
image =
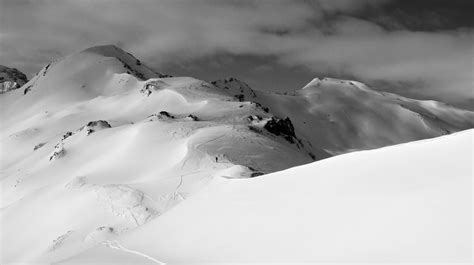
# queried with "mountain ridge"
point(351, 116)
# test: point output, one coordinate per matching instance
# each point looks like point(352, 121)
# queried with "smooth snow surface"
point(406, 203)
point(104, 160)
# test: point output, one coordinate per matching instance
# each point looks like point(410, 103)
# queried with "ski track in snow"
point(114, 244)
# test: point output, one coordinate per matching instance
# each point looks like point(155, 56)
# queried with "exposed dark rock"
point(11, 79)
point(101, 123)
point(235, 87)
point(240, 97)
point(38, 146)
point(256, 174)
point(131, 70)
point(162, 115)
point(106, 228)
point(59, 151)
point(46, 69)
point(66, 135)
point(94, 126)
point(281, 127)
point(27, 89)
point(254, 118)
point(153, 85)
point(255, 129)
point(166, 114)
point(194, 118)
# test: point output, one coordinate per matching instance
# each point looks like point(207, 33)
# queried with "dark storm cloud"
point(402, 42)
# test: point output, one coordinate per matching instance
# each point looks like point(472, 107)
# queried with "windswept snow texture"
point(341, 116)
point(405, 203)
point(98, 148)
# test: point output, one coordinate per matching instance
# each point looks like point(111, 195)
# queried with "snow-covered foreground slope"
point(405, 203)
point(341, 116)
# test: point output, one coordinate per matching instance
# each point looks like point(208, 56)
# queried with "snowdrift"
point(406, 203)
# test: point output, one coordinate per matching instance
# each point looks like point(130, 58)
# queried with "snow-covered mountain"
point(97, 145)
point(11, 79)
point(88, 148)
point(340, 116)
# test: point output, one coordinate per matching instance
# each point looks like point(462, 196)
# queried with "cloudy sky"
point(419, 48)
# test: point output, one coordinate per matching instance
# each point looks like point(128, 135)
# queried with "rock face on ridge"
point(11, 79)
point(235, 87)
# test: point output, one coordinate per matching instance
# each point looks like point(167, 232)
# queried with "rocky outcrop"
point(161, 116)
point(94, 126)
point(59, 151)
point(89, 128)
point(164, 116)
point(38, 146)
point(235, 87)
point(192, 117)
point(281, 127)
point(153, 85)
point(11, 79)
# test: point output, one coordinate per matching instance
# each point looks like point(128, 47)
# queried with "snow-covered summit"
point(333, 83)
point(130, 63)
point(341, 116)
point(99, 70)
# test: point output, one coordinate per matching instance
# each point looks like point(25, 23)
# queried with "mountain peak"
point(130, 62)
point(333, 84)
point(106, 50)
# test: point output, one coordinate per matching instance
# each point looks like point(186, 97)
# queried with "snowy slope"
point(90, 151)
point(369, 206)
point(340, 116)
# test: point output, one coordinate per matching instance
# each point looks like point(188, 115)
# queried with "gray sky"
point(423, 48)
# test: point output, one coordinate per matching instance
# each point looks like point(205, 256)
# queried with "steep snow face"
point(341, 116)
point(369, 206)
point(11, 79)
point(90, 152)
